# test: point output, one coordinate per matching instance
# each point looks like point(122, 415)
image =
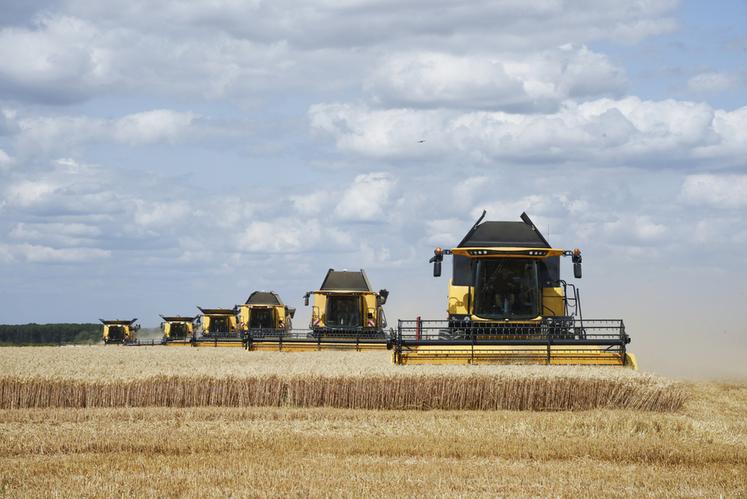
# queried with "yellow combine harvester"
point(265, 313)
point(346, 314)
point(178, 330)
point(119, 331)
point(508, 305)
point(218, 328)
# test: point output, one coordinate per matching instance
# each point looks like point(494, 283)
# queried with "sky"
point(153, 159)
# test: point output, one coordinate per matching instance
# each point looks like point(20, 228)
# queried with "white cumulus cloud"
point(712, 82)
point(29, 192)
point(603, 130)
point(160, 125)
point(5, 160)
point(56, 60)
point(367, 198)
point(511, 82)
point(36, 253)
point(58, 133)
point(719, 191)
point(159, 214)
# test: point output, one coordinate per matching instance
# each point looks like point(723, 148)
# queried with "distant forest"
point(49, 334)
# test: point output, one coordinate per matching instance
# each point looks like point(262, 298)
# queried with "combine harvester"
point(346, 314)
point(119, 331)
point(178, 330)
point(265, 314)
point(218, 328)
point(508, 305)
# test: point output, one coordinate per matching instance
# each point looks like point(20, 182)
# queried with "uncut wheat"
point(140, 377)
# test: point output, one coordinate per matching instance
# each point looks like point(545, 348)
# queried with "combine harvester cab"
point(508, 305)
point(178, 330)
point(348, 311)
point(265, 314)
point(218, 328)
point(119, 331)
point(346, 314)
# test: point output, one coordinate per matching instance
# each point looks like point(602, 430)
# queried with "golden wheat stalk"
point(473, 392)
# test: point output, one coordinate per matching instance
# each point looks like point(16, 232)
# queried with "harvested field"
point(700, 451)
point(78, 377)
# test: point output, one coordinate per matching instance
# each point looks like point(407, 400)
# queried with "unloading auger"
point(508, 305)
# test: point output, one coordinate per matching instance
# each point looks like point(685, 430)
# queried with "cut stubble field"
point(696, 447)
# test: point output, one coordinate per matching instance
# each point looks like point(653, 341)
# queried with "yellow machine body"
point(550, 331)
point(214, 342)
point(118, 331)
point(264, 312)
point(245, 315)
point(371, 314)
point(178, 330)
point(208, 319)
point(170, 326)
point(218, 328)
point(508, 355)
point(322, 337)
point(292, 345)
point(280, 318)
point(346, 314)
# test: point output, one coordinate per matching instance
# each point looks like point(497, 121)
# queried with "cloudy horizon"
point(152, 160)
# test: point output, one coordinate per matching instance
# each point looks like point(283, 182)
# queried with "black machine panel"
point(345, 280)
point(504, 234)
point(263, 298)
point(462, 274)
point(549, 271)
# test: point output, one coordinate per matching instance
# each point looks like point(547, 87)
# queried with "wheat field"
point(698, 451)
point(171, 422)
point(78, 377)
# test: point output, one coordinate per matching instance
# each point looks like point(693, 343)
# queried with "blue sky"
point(152, 160)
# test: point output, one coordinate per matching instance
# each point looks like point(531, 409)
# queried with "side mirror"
point(292, 312)
point(577, 270)
point(383, 295)
point(306, 299)
point(436, 259)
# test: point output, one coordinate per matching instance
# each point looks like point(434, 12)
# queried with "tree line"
point(49, 334)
